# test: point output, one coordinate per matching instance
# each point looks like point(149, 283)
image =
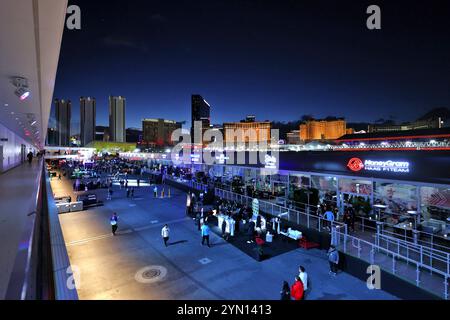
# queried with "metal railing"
point(421, 257)
point(291, 215)
point(392, 254)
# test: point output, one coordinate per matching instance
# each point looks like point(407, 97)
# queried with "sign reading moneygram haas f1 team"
point(356, 165)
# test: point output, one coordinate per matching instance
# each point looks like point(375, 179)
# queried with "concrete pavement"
point(135, 264)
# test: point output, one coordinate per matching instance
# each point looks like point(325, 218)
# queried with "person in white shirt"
point(304, 277)
point(165, 234)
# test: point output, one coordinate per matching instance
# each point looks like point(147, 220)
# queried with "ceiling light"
point(22, 93)
point(21, 85)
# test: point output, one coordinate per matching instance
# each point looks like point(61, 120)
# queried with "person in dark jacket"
point(114, 219)
point(251, 231)
point(333, 258)
point(297, 289)
point(285, 291)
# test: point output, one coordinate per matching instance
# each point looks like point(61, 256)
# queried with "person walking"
point(285, 292)
point(138, 182)
point(155, 191)
point(30, 157)
point(333, 259)
point(110, 192)
point(165, 234)
point(114, 220)
point(205, 234)
point(198, 220)
point(297, 289)
point(128, 192)
point(304, 278)
point(251, 231)
point(132, 193)
point(329, 217)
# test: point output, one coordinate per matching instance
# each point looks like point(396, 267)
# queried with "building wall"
point(322, 130)
point(159, 131)
point(262, 130)
point(12, 149)
point(423, 124)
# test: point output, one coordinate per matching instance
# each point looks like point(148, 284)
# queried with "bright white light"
point(432, 141)
point(167, 150)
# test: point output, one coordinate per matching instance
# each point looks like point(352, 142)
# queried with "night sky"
point(276, 59)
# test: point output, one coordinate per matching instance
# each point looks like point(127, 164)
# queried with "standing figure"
point(205, 234)
point(297, 289)
point(165, 234)
point(333, 259)
point(114, 219)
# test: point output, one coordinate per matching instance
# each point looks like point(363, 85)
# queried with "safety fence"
point(426, 267)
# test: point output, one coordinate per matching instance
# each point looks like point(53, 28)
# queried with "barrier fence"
point(386, 251)
point(426, 267)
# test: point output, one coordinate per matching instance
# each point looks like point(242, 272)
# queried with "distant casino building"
point(435, 123)
point(158, 132)
point(293, 137)
point(312, 130)
point(247, 131)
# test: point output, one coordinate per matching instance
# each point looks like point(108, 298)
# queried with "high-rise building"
point(201, 111)
point(158, 132)
point(117, 119)
point(62, 116)
point(87, 120)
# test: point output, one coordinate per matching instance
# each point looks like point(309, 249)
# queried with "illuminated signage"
point(270, 162)
point(221, 159)
point(356, 164)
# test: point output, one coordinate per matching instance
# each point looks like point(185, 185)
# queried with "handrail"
point(418, 248)
point(19, 282)
point(398, 255)
point(280, 208)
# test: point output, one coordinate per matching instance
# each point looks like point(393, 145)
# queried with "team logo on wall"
point(355, 164)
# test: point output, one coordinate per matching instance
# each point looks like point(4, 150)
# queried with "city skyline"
point(329, 66)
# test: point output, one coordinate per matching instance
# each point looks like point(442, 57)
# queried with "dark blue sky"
point(276, 59)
